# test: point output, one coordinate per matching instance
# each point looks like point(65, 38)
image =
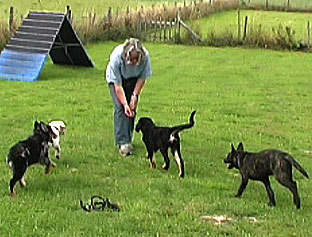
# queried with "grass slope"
point(259, 97)
point(293, 3)
point(225, 23)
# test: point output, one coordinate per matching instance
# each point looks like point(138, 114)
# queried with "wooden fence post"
point(155, 28)
point(109, 17)
point(11, 20)
point(179, 28)
point(69, 13)
point(153, 10)
point(266, 4)
point(127, 18)
point(117, 12)
point(239, 25)
point(245, 28)
point(309, 35)
point(170, 30)
point(139, 26)
point(165, 29)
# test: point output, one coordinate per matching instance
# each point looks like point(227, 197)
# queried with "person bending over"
point(126, 73)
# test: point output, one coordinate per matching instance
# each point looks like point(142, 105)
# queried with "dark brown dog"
point(161, 138)
point(259, 166)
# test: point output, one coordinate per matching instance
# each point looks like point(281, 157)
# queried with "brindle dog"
point(259, 166)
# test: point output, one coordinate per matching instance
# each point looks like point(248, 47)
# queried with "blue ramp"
point(22, 66)
point(41, 34)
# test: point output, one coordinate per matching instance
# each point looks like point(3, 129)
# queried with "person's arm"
point(136, 92)
point(122, 99)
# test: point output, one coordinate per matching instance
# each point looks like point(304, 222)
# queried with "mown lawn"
point(262, 98)
point(293, 3)
point(225, 24)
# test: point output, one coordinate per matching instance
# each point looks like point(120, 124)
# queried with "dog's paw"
point(13, 195)
point(58, 157)
point(49, 168)
point(153, 165)
point(271, 204)
point(238, 196)
point(22, 183)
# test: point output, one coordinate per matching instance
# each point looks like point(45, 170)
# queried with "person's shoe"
point(131, 149)
point(124, 150)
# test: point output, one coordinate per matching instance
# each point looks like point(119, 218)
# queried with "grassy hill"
point(293, 3)
point(260, 24)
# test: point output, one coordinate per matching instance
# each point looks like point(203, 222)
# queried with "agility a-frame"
point(41, 34)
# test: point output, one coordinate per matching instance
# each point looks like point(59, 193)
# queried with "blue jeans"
point(123, 125)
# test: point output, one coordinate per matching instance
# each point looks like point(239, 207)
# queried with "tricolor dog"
point(59, 129)
point(161, 138)
point(33, 150)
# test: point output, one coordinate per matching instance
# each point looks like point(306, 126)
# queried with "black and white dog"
point(59, 128)
point(161, 138)
point(33, 150)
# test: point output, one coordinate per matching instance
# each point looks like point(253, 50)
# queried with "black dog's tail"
point(179, 128)
point(297, 166)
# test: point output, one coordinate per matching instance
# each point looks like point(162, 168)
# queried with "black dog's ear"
point(240, 147)
point(43, 127)
point(36, 127)
point(233, 148)
point(36, 124)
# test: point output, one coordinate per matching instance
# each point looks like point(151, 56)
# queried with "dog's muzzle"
point(230, 166)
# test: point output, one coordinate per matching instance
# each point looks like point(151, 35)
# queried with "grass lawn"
point(262, 98)
point(293, 3)
point(225, 23)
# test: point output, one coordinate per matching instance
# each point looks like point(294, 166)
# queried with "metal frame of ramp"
point(40, 34)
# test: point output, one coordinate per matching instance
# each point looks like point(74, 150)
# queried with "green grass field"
point(225, 23)
point(259, 97)
point(79, 7)
point(293, 3)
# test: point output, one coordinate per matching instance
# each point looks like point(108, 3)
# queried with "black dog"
point(31, 151)
point(161, 138)
point(259, 166)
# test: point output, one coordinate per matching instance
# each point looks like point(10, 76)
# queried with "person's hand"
point(133, 102)
point(129, 112)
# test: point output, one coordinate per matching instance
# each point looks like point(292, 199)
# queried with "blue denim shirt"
point(117, 68)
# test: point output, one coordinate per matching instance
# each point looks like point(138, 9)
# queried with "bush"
point(4, 35)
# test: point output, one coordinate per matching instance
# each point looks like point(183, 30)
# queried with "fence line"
point(286, 4)
point(164, 30)
point(163, 23)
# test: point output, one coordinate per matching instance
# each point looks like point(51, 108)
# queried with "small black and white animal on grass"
point(59, 129)
point(259, 166)
point(162, 138)
point(34, 150)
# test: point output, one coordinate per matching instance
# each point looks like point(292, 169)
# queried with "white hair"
point(131, 45)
